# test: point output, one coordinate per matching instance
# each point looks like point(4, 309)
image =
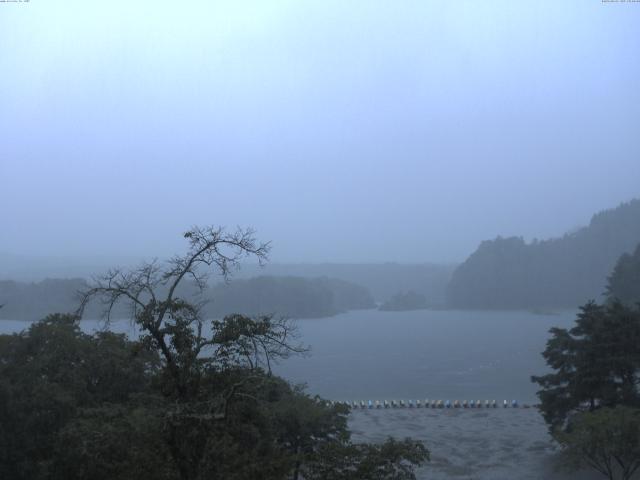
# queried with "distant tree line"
point(285, 296)
point(383, 280)
point(290, 296)
point(405, 301)
point(34, 301)
point(562, 272)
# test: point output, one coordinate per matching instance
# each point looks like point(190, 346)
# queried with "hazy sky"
point(340, 130)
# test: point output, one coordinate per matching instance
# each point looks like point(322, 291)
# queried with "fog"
point(340, 131)
point(319, 239)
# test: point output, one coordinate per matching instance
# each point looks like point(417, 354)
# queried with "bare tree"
point(174, 326)
point(203, 368)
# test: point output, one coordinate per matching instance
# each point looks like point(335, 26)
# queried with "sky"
point(360, 131)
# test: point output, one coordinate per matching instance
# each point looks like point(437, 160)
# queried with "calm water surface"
point(424, 354)
point(445, 354)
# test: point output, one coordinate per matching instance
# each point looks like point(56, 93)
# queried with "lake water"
point(368, 354)
point(441, 354)
point(424, 354)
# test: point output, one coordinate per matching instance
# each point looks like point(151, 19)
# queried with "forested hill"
point(34, 301)
point(287, 296)
point(560, 272)
point(383, 280)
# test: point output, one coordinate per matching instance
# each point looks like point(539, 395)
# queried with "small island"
point(405, 301)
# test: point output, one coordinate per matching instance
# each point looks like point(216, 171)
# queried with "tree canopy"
point(596, 363)
point(607, 440)
point(591, 400)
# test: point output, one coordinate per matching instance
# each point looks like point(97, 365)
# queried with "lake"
point(441, 354)
point(444, 354)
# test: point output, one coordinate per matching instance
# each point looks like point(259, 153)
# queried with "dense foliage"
point(54, 375)
point(562, 272)
point(607, 440)
point(596, 363)
point(79, 406)
point(591, 401)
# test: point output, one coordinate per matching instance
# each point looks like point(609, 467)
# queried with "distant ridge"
point(383, 280)
point(559, 272)
point(295, 297)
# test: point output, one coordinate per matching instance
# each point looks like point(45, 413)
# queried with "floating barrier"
point(427, 403)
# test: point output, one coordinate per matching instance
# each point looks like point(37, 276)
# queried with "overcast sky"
point(340, 130)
